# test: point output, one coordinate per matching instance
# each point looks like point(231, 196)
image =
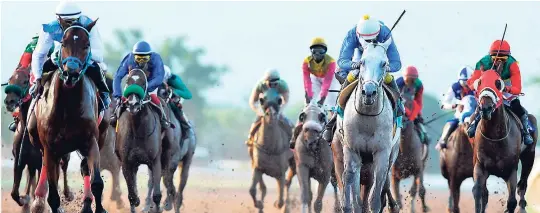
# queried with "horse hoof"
point(426, 209)
point(69, 196)
point(87, 206)
point(259, 204)
point(132, 210)
point(60, 210)
point(168, 205)
point(25, 209)
point(278, 204)
point(39, 205)
point(24, 200)
point(522, 210)
point(119, 204)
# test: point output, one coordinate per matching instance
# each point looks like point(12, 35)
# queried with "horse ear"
point(91, 25)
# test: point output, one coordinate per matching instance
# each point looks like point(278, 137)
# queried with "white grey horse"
point(365, 131)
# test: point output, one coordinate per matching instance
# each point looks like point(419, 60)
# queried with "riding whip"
point(500, 45)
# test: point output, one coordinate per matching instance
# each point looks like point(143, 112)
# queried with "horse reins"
point(507, 127)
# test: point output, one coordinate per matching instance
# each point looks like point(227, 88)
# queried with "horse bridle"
point(61, 61)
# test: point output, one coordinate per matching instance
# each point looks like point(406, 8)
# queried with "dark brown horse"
point(139, 139)
point(497, 146)
point(177, 154)
point(66, 119)
point(17, 101)
point(456, 164)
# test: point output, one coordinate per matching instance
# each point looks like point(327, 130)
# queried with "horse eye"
point(322, 117)
point(302, 117)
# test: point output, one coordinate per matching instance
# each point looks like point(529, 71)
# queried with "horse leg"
point(186, 164)
point(527, 161)
point(303, 181)
point(256, 178)
point(350, 177)
point(412, 193)
point(395, 189)
point(422, 191)
point(129, 171)
point(69, 196)
point(30, 182)
point(392, 205)
point(156, 177)
point(317, 206)
point(148, 199)
point(39, 205)
point(93, 179)
point(17, 176)
point(52, 177)
point(453, 201)
point(169, 185)
point(381, 164)
point(116, 194)
point(333, 180)
point(480, 177)
point(511, 183)
point(281, 185)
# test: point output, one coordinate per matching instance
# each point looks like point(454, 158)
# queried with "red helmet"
point(505, 48)
point(410, 71)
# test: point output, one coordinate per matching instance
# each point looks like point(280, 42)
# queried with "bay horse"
point(270, 151)
point(139, 138)
point(411, 161)
point(178, 153)
point(364, 143)
point(66, 119)
point(17, 101)
point(497, 146)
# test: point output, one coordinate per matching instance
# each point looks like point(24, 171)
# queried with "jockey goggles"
point(142, 58)
point(320, 51)
point(272, 82)
point(497, 58)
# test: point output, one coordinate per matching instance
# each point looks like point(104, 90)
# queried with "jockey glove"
point(308, 99)
point(321, 101)
point(38, 88)
point(355, 65)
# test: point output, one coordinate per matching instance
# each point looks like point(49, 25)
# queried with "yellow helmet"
point(318, 41)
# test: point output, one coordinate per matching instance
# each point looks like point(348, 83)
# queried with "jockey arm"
point(327, 81)
point(347, 52)
point(449, 99)
point(418, 102)
point(392, 53)
point(157, 73)
point(179, 87)
point(307, 79)
point(515, 79)
point(254, 99)
point(44, 44)
point(120, 73)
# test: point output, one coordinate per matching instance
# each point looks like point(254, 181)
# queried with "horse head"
point(75, 54)
point(17, 88)
point(373, 69)
point(270, 102)
point(314, 119)
point(135, 90)
point(489, 88)
point(165, 92)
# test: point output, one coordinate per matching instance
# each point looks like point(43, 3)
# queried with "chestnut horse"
point(66, 120)
point(497, 146)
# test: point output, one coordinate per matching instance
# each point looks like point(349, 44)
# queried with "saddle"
point(347, 91)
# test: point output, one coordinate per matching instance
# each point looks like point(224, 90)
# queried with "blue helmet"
point(142, 48)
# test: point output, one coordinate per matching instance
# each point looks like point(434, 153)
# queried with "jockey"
point(24, 62)
point(452, 99)
point(411, 86)
point(180, 90)
point(370, 30)
point(318, 70)
point(509, 71)
point(271, 80)
point(144, 58)
point(70, 13)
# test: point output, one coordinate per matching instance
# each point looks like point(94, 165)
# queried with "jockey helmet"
point(141, 51)
point(504, 48)
point(318, 42)
point(465, 73)
point(271, 77)
point(68, 11)
point(167, 74)
point(411, 72)
point(368, 28)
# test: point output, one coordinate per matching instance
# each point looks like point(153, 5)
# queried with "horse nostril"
point(363, 92)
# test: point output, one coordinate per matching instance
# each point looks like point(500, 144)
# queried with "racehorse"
point(411, 161)
point(176, 151)
point(17, 101)
point(363, 140)
point(497, 146)
point(139, 138)
point(270, 151)
point(313, 158)
point(66, 119)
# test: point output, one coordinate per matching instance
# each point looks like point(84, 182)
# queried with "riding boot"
point(472, 126)
point(425, 138)
point(165, 123)
point(527, 139)
point(254, 127)
point(447, 130)
point(13, 125)
point(116, 114)
point(94, 73)
point(184, 125)
point(400, 108)
point(328, 133)
point(296, 131)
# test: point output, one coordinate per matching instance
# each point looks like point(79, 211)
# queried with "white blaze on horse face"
point(488, 93)
point(75, 37)
point(135, 78)
point(133, 100)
